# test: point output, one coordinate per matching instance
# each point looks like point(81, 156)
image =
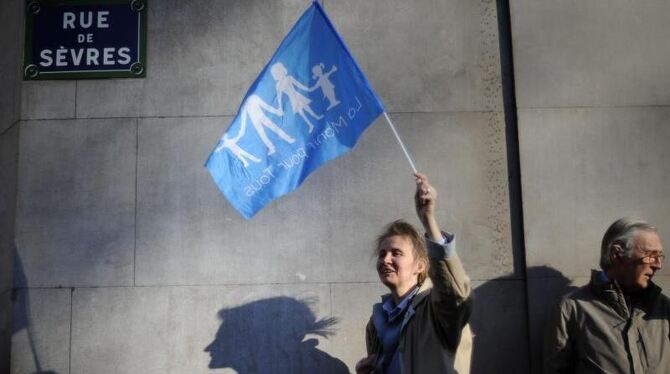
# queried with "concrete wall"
point(129, 259)
point(593, 96)
point(128, 256)
point(11, 31)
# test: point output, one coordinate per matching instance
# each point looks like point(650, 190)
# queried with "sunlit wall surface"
point(593, 90)
point(130, 260)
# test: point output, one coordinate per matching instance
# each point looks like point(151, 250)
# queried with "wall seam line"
point(137, 157)
point(249, 284)
point(69, 364)
point(330, 291)
point(76, 87)
point(634, 106)
point(10, 127)
point(513, 156)
point(459, 111)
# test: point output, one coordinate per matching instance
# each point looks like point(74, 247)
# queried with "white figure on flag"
point(231, 143)
point(253, 107)
point(323, 82)
point(286, 84)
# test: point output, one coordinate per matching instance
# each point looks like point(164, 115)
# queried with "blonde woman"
point(421, 326)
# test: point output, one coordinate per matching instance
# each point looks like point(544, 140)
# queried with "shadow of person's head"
point(268, 336)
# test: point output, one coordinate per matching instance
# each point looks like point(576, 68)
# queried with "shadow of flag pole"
point(402, 145)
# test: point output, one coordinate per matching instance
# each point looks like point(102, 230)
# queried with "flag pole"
point(402, 145)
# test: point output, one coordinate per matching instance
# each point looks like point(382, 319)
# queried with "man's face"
point(635, 272)
point(397, 266)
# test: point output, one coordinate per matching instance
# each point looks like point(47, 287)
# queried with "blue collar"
point(603, 277)
point(393, 311)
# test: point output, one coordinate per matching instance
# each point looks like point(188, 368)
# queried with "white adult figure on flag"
point(254, 107)
point(286, 84)
point(239, 152)
point(323, 82)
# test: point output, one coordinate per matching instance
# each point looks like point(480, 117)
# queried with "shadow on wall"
point(501, 323)
point(545, 287)
point(21, 316)
point(269, 336)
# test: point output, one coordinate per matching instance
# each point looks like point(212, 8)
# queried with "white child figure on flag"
point(322, 81)
point(231, 143)
point(286, 84)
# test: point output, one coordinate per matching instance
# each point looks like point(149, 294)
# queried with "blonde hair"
point(402, 228)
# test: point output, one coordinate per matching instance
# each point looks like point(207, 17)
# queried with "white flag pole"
point(402, 145)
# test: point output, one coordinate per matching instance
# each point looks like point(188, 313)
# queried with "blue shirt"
point(395, 319)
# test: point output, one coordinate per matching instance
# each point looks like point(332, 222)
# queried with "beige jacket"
point(593, 330)
point(437, 338)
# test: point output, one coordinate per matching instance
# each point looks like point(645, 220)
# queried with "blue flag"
point(309, 104)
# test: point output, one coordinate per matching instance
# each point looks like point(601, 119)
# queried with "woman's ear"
point(421, 266)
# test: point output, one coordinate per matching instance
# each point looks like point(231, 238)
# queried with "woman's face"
point(397, 266)
point(278, 71)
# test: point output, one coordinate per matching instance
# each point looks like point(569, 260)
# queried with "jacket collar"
point(610, 291)
point(424, 290)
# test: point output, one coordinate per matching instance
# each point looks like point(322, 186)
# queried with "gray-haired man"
point(619, 322)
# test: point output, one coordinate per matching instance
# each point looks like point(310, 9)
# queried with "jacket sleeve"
point(450, 295)
point(371, 339)
point(558, 354)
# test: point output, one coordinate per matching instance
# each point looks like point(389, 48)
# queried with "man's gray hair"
point(621, 233)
